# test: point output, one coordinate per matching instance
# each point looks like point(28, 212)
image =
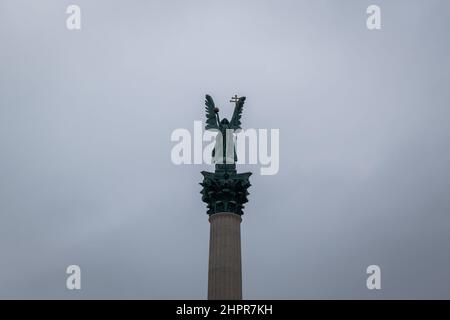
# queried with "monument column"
point(225, 269)
point(225, 192)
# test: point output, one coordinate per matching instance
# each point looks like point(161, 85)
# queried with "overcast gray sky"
point(86, 176)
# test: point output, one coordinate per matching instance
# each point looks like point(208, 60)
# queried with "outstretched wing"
point(211, 120)
point(235, 122)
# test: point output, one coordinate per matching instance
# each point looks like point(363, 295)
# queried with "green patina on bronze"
point(224, 190)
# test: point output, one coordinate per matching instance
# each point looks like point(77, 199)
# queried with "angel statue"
point(225, 149)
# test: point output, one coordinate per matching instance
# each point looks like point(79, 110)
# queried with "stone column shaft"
point(225, 270)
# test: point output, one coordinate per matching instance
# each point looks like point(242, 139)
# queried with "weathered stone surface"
point(225, 270)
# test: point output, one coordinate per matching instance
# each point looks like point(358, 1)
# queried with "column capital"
point(225, 190)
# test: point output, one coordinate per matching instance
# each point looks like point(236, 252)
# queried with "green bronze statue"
point(224, 190)
point(224, 150)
